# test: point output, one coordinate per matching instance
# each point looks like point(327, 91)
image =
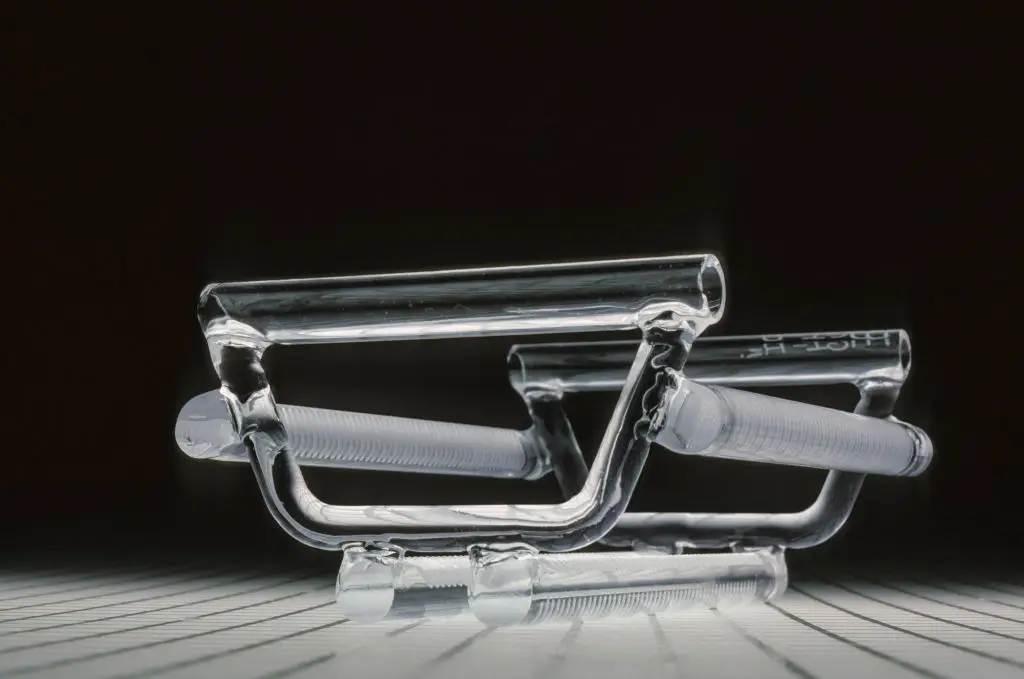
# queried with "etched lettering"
point(881, 338)
point(834, 342)
point(773, 345)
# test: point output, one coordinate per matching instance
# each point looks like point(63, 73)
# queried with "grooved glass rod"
point(509, 586)
point(328, 438)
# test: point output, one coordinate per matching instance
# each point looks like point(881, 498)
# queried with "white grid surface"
point(188, 621)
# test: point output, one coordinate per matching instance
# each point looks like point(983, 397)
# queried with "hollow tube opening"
point(904, 352)
point(712, 284)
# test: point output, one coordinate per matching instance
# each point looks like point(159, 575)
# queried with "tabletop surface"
point(201, 619)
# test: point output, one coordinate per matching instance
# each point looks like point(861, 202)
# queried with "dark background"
point(852, 172)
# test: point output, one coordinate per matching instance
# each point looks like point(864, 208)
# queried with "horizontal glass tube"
point(346, 440)
point(794, 359)
point(715, 421)
point(340, 439)
point(535, 588)
point(551, 298)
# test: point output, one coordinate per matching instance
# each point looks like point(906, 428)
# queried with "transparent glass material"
point(512, 585)
point(348, 440)
point(668, 301)
point(675, 389)
point(877, 362)
point(796, 359)
point(709, 420)
point(715, 420)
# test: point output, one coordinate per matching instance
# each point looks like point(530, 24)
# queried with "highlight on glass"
point(521, 564)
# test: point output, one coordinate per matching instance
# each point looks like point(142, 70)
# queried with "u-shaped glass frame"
point(670, 300)
point(876, 362)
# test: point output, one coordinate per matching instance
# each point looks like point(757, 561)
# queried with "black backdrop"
point(851, 172)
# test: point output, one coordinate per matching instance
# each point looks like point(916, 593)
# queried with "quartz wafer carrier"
point(508, 562)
